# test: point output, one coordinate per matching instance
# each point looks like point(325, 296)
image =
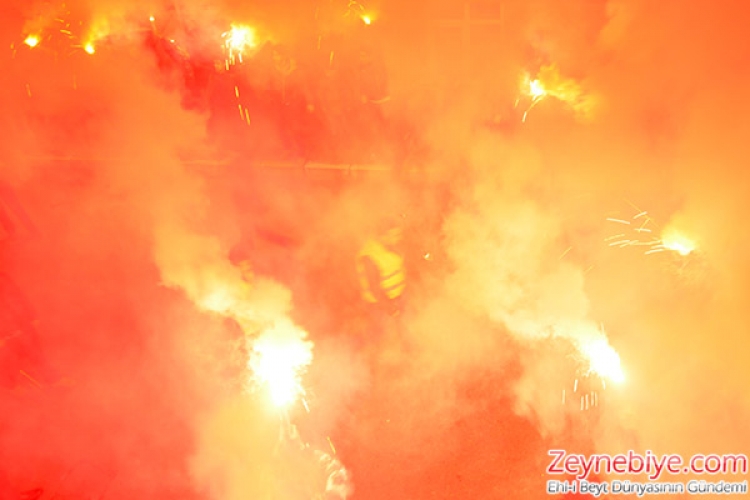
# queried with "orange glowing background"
point(185, 187)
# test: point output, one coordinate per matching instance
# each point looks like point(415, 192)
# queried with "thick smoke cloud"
point(140, 179)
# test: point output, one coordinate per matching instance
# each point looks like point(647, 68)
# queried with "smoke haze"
point(132, 180)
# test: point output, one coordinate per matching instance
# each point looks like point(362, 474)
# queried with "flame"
point(237, 40)
point(366, 19)
point(536, 89)
point(549, 83)
point(673, 240)
point(602, 359)
point(280, 355)
point(555, 85)
point(32, 41)
point(641, 234)
point(99, 30)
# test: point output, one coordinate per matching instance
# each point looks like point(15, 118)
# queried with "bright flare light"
point(673, 240)
point(641, 233)
point(279, 358)
point(603, 359)
point(536, 90)
point(237, 40)
point(549, 83)
point(89, 48)
point(32, 41)
point(367, 20)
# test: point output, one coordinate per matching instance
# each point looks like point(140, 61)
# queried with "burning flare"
point(673, 240)
point(602, 359)
point(279, 357)
point(99, 30)
point(549, 83)
point(237, 40)
point(642, 228)
point(536, 89)
point(32, 41)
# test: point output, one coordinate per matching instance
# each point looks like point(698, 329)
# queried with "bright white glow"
point(279, 357)
point(603, 359)
point(677, 242)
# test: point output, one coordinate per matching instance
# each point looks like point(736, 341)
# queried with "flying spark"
point(670, 239)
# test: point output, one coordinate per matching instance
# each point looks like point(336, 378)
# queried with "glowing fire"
point(549, 83)
point(279, 358)
point(367, 19)
point(536, 89)
point(89, 48)
point(673, 240)
point(641, 234)
point(32, 41)
point(238, 39)
point(603, 360)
